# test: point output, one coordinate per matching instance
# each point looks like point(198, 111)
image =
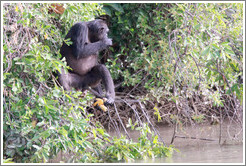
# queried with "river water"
point(205, 153)
point(204, 147)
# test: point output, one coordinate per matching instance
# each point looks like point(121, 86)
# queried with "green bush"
point(40, 119)
point(175, 53)
point(180, 51)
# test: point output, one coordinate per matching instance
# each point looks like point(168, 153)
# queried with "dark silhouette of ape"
point(88, 38)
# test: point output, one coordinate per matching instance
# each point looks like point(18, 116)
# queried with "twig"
point(119, 84)
point(197, 69)
point(115, 126)
point(136, 86)
point(220, 126)
point(204, 139)
point(136, 113)
point(9, 59)
point(174, 133)
point(227, 82)
point(99, 137)
point(121, 121)
point(147, 117)
point(34, 94)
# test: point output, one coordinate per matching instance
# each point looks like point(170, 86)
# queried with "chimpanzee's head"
point(98, 30)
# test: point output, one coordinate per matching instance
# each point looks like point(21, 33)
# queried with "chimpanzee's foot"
point(108, 101)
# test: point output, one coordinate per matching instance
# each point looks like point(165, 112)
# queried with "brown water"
point(201, 151)
point(206, 153)
point(196, 150)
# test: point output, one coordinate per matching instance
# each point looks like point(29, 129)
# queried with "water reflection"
point(200, 151)
point(207, 153)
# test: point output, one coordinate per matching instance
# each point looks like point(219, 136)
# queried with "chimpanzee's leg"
point(93, 78)
point(69, 80)
point(98, 73)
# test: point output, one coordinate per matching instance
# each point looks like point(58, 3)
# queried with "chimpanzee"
point(88, 38)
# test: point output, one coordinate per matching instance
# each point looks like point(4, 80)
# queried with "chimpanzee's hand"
point(107, 41)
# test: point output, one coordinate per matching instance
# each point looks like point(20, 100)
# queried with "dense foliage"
point(179, 61)
point(40, 119)
point(191, 54)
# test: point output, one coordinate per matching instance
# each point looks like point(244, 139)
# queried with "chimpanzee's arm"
point(81, 46)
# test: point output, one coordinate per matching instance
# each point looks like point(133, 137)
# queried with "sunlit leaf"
point(205, 51)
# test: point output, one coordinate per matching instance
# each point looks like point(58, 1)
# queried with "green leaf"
point(29, 144)
point(36, 137)
point(37, 147)
point(14, 88)
point(235, 88)
point(88, 144)
point(9, 160)
point(46, 133)
point(197, 26)
point(157, 113)
point(216, 46)
point(118, 156)
point(94, 133)
point(115, 6)
point(130, 121)
point(138, 128)
point(45, 156)
point(155, 139)
point(107, 10)
point(229, 51)
point(209, 75)
point(12, 146)
point(40, 123)
point(101, 131)
point(10, 152)
point(63, 132)
point(205, 51)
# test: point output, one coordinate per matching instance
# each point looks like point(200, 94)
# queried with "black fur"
point(88, 39)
